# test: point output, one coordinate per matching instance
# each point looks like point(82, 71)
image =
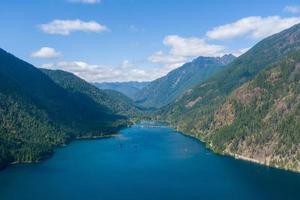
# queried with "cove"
point(145, 162)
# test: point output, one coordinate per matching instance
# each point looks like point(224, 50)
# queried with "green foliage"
point(37, 114)
point(214, 91)
point(270, 71)
point(274, 115)
point(166, 89)
point(111, 101)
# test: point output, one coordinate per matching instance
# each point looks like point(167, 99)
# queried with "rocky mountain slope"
point(164, 90)
point(261, 119)
point(251, 108)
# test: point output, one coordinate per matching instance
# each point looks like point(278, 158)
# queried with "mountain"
point(260, 119)
point(239, 110)
point(36, 114)
point(166, 89)
point(115, 101)
point(130, 89)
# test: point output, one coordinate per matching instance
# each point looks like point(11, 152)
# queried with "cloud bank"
point(66, 27)
point(254, 27)
point(103, 73)
point(182, 49)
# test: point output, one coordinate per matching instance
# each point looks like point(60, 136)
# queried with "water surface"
point(145, 163)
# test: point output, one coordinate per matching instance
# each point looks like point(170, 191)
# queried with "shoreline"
point(61, 146)
point(96, 137)
point(233, 155)
point(88, 137)
point(206, 144)
point(244, 158)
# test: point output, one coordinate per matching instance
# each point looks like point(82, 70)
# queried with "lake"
point(144, 163)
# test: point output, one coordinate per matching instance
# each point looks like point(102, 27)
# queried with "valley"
point(149, 100)
point(249, 109)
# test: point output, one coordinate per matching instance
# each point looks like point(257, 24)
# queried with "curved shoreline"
point(60, 146)
point(236, 156)
point(207, 145)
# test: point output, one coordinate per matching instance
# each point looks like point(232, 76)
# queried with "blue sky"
point(124, 40)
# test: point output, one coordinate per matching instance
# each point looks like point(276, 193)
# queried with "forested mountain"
point(251, 108)
point(37, 114)
point(26, 132)
point(116, 102)
point(164, 90)
point(130, 89)
point(261, 119)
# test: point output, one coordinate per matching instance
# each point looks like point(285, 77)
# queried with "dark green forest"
point(38, 114)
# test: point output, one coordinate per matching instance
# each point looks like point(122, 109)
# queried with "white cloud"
point(192, 46)
point(169, 60)
point(103, 73)
point(85, 1)
point(183, 49)
point(65, 27)
point(292, 9)
point(46, 52)
point(255, 27)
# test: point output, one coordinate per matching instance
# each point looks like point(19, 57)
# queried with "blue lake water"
point(145, 163)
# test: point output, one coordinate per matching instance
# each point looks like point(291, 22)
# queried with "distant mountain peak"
point(166, 89)
point(129, 88)
point(225, 59)
point(226, 56)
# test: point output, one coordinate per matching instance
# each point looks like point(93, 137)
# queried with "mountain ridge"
point(37, 115)
point(116, 102)
point(166, 89)
point(195, 113)
point(130, 88)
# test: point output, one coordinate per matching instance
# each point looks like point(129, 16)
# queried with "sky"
point(136, 40)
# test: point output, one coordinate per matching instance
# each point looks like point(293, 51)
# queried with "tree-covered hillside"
point(116, 102)
point(164, 90)
point(261, 119)
point(37, 114)
point(195, 112)
point(26, 132)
